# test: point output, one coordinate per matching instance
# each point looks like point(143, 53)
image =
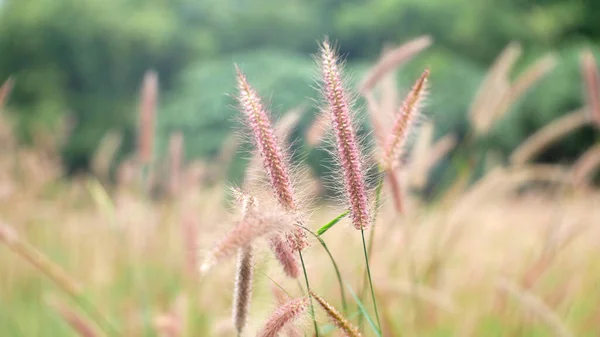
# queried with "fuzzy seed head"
point(283, 316)
point(336, 318)
point(273, 157)
point(285, 255)
point(253, 226)
point(405, 119)
point(345, 137)
point(243, 288)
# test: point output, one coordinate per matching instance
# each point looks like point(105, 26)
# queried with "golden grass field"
point(514, 254)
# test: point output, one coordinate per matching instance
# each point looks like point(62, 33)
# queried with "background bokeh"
point(85, 60)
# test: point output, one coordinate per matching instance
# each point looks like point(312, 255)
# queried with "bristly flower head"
point(283, 316)
point(254, 225)
point(243, 288)
point(336, 318)
point(347, 147)
point(274, 159)
point(404, 120)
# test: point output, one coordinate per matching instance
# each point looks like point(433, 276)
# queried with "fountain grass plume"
point(274, 159)
point(346, 140)
point(283, 316)
point(243, 287)
point(336, 317)
point(251, 227)
point(406, 117)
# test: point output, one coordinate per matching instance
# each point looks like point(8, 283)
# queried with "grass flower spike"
point(273, 157)
point(283, 316)
point(243, 287)
point(336, 318)
point(345, 137)
point(404, 120)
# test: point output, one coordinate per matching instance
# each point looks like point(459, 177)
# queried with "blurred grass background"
point(78, 67)
point(83, 61)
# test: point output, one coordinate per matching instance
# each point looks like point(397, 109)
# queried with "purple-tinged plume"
point(283, 316)
point(345, 137)
point(404, 120)
point(273, 157)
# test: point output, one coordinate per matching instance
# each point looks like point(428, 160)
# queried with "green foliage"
point(87, 58)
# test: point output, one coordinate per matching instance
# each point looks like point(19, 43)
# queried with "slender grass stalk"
point(368, 249)
point(312, 308)
point(335, 267)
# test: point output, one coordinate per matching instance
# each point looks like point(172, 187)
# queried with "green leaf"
point(364, 311)
point(331, 223)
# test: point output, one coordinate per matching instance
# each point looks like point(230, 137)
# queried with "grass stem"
point(312, 308)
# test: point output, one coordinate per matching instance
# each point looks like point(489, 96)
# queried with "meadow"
point(149, 250)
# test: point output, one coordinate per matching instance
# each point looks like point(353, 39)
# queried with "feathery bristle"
point(243, 288)
point(285, 255)
point(406, 117)
point(291, 330)
point(336, 318)
point(283, 316)
point(346, 140)
point(592, 85)
point(149, 97)
point(250, 228)
point(274, 158)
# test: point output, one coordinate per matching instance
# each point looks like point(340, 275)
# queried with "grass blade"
point(364, 312)
point(331, 223)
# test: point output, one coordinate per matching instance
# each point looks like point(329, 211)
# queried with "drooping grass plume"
point(291, 330)
point(147, 117)
point(550, 133)
point(283, 316)
point(285, 256)
point(243, 288)
point(405, 119)
point(591, 79)
point(393, 59)
point(275, 161)
point(348, 152)
point(336, 317)
point(74, 319)
point(253, 226)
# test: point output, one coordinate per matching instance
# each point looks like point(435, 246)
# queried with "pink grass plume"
point(283, 316)
point(346, 141)
point(274, 159)
point(405, 119)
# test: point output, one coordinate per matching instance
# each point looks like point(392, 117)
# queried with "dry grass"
point(435, 266)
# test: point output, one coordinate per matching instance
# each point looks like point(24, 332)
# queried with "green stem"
point(312, 308)
point(335, 266)
point(369, 250)
point(362, 232)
